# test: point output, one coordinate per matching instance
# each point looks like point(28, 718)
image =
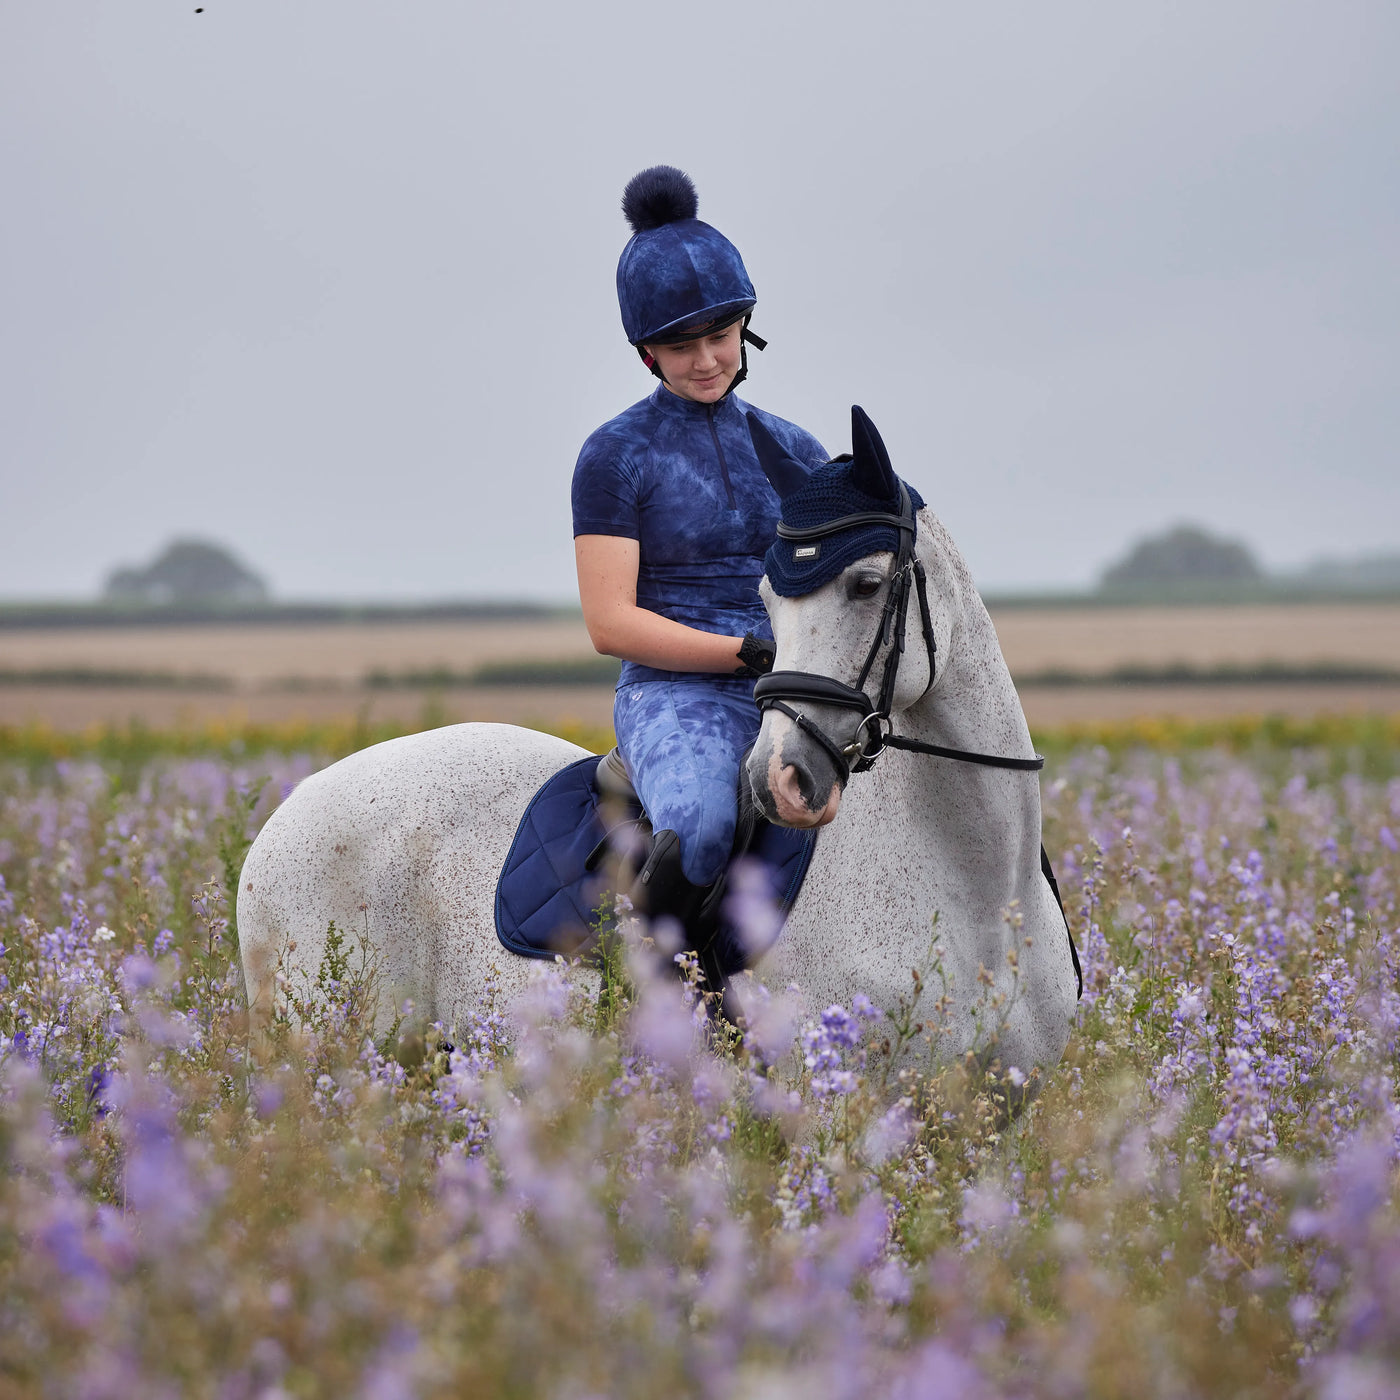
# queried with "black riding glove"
point(756, 656)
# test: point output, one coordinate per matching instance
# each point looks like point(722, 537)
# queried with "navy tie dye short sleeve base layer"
point(682, 479)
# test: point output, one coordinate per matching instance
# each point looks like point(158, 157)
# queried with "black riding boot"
point(662, 891)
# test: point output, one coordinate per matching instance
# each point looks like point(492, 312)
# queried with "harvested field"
point(1051, 706)
point(285, 672)
point(77, 707)
point(1084, 640)
point(1099, 640)
point(252, 657)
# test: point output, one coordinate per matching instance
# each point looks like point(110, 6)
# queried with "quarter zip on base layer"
point(719, 452)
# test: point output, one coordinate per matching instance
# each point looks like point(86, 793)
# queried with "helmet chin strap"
point(746, 338)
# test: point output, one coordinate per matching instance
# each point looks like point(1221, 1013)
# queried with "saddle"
point(584, 835)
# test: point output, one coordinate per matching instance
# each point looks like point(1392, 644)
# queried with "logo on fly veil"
point(806, 551)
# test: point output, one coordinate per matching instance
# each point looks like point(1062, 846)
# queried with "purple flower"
point(664, 1025)
point(267, 1098)
point(752, 907)
point(390, 1375)
point(162, 1180)
point(987, 1212)
point(936, 1372)
point(138, 973)
point(824, 1045)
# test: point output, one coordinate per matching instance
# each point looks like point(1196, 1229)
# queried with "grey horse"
point(401, 844)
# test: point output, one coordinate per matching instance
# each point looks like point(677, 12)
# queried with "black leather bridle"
point(874, 734)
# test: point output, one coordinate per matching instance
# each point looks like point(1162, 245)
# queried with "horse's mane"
point(948, 571)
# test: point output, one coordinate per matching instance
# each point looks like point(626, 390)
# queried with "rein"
point(875, 733)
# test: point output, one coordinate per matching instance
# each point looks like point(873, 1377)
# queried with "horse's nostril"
point(805, 784)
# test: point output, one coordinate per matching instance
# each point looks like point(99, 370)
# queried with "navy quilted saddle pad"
point(546, 897)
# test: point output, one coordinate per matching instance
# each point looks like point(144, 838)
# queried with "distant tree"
point(1185, 553)
point(187, 571)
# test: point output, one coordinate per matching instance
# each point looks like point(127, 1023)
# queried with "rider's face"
point(703, 369)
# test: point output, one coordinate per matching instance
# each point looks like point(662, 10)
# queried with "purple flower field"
point(1199, 1201)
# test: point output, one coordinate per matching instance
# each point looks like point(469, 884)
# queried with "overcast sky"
point(332, 281)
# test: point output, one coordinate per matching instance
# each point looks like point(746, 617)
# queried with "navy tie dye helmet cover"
point(860, 481)
point(677, 273)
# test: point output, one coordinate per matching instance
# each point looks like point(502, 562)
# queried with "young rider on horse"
point(672, 516)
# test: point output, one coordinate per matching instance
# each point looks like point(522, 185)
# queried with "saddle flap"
point(552, 881)
point(546, 896)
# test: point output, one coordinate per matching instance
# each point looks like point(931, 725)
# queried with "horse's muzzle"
point(790, 789)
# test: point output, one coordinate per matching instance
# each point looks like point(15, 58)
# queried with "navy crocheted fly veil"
point(848, 485)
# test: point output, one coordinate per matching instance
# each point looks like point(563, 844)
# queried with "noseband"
point(874, 734)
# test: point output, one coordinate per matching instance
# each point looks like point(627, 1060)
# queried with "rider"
point(672, 516)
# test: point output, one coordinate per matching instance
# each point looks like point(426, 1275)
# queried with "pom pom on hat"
point(659, 195)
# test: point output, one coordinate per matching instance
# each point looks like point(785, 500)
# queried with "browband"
point(846, 522)
point(905, 520)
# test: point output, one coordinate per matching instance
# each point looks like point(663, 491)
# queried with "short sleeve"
point(606, 490)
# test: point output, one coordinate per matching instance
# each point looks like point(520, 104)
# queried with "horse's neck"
point(987, 816)
point(973, 702)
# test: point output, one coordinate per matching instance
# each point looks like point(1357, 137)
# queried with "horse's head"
point(856, 639)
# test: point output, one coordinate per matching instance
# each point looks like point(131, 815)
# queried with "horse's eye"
point(865, 585)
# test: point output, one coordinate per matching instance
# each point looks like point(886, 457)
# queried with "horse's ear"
point(784, 472)
point(871, 471)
